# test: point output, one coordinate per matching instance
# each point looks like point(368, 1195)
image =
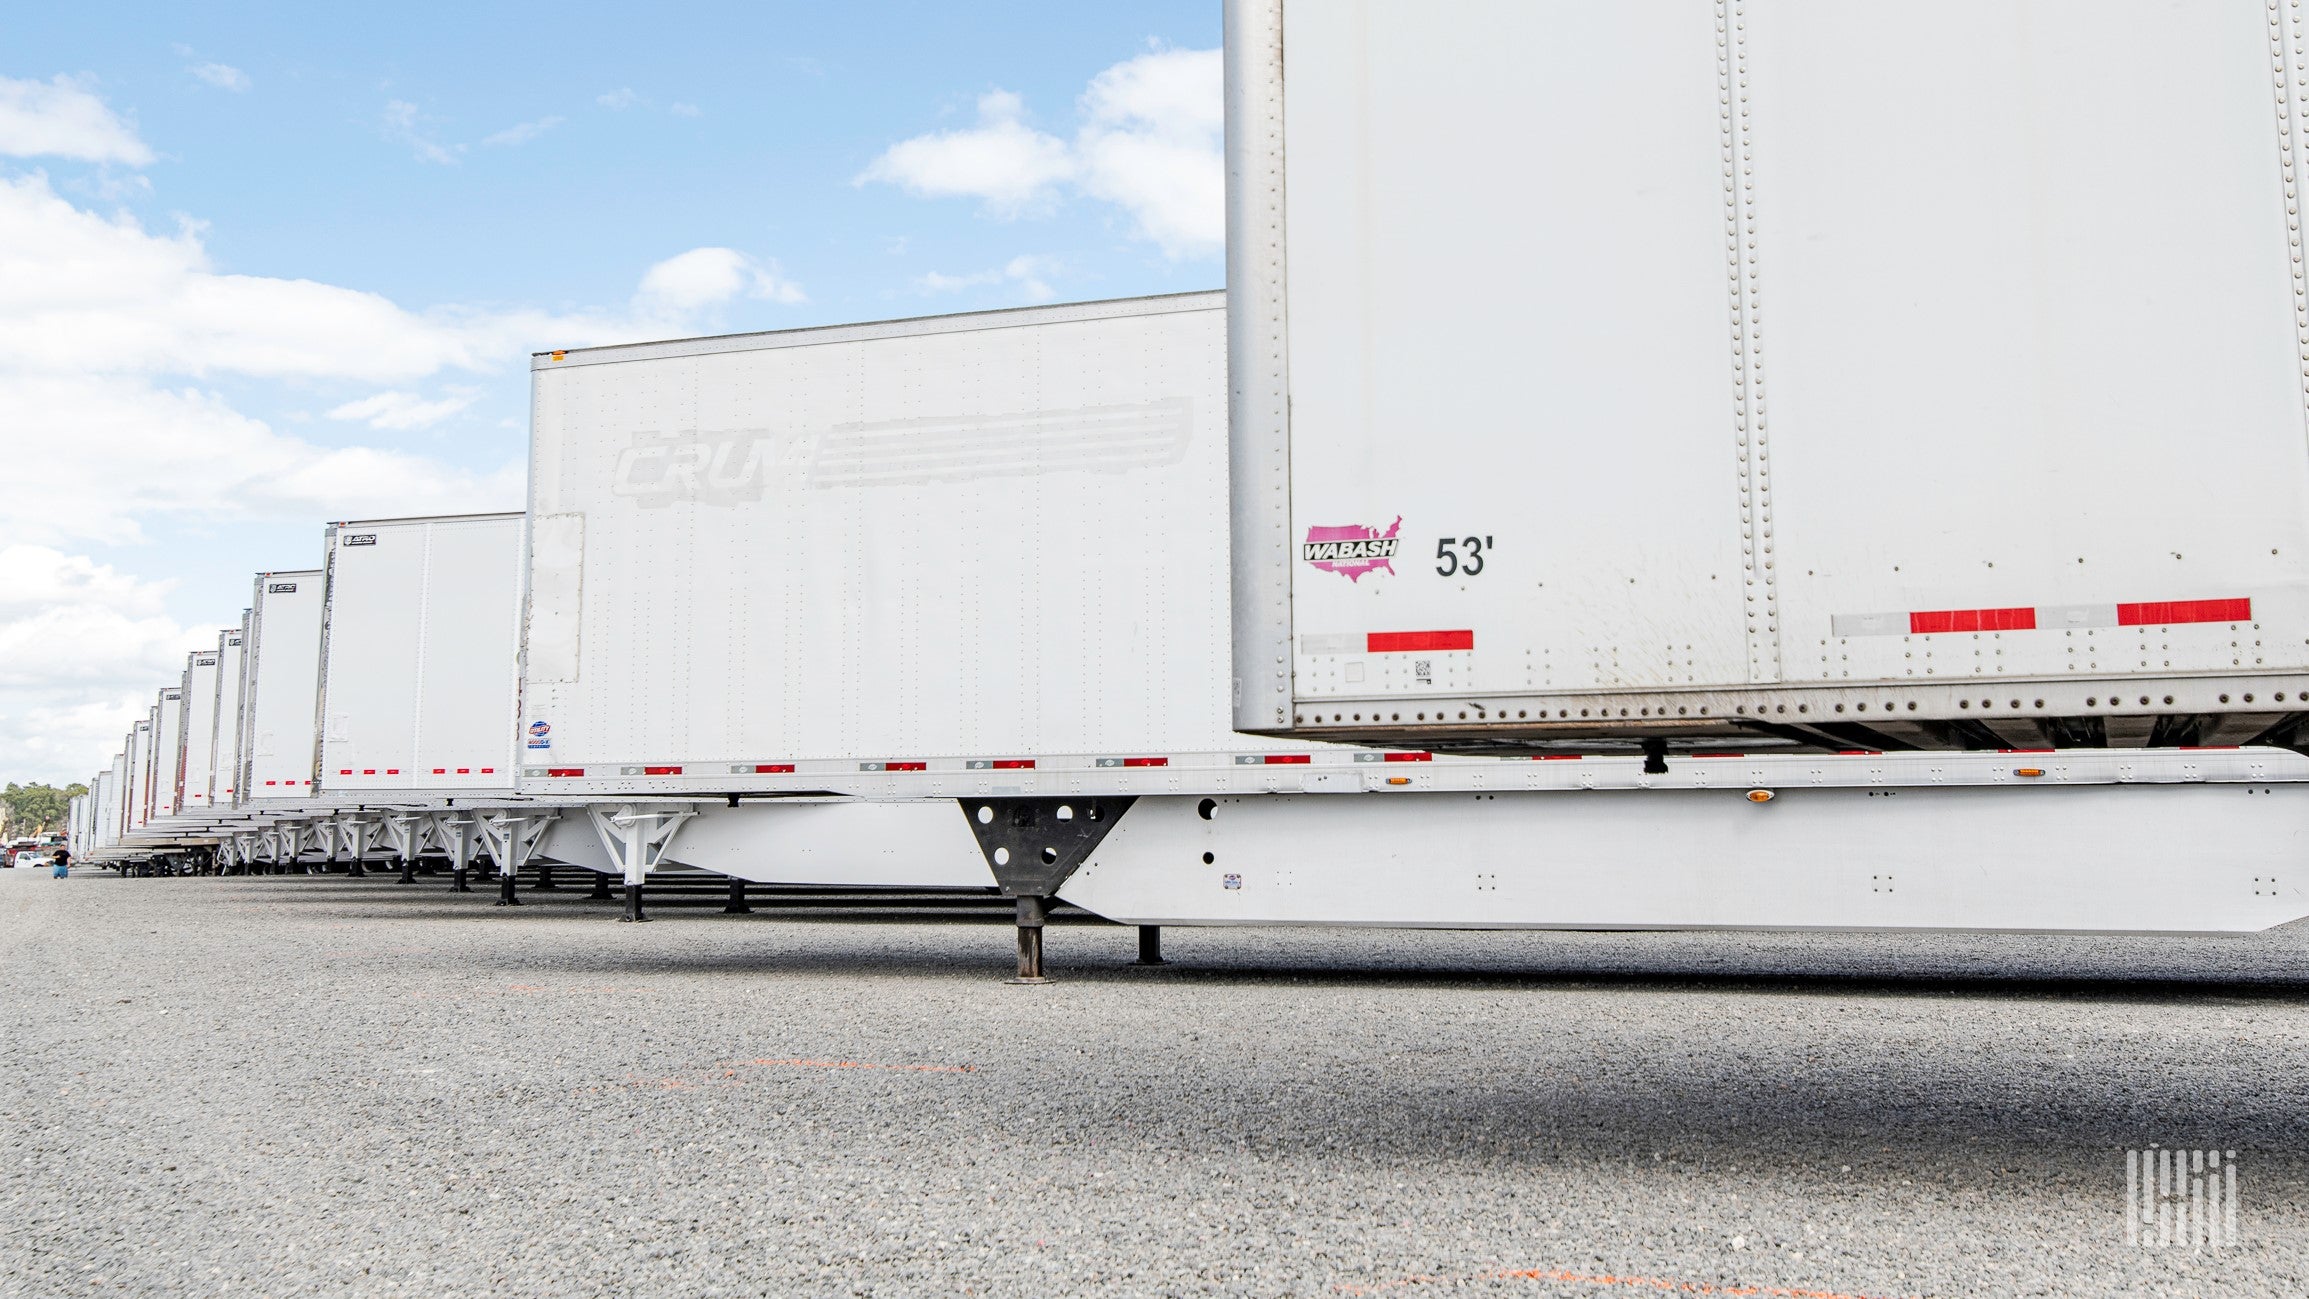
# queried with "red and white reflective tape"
point(2051, 617)
point(1387, 642)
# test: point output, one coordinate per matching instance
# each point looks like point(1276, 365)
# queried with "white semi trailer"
point(224, 721)
point(279, 692)
point(971, 569)
point(197, 748)
point(1880, 377)
point(419, 693)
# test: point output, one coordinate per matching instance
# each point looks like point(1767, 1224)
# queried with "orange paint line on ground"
point(862, 1064)
point(1606, 1279)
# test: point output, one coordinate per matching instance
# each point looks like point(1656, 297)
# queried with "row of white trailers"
point(943, 603)
point(1443, 572)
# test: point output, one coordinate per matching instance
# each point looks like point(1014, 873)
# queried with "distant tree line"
point(35, 809)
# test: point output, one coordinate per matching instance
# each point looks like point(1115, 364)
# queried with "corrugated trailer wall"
point(1856, 376)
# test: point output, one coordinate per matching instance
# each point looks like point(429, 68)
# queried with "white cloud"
point(404, 123)
point(1148, 141)
point(1002, 160)
point(63, 119)
point(620, 98)
point(523, 132)
point(221, 75)
point(117, 453)
point(83, 294)
point(109, 336)
point(710, 277)
point(1030, 274)
point(683, 110)
point(83, 649)
point(403, 410)
point(1152, 145)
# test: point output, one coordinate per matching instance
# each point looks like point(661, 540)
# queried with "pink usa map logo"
point(1353, 549)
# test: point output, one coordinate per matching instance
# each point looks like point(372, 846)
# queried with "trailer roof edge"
point(906, 326)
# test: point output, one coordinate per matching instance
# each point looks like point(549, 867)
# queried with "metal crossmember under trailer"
point(1408, 583)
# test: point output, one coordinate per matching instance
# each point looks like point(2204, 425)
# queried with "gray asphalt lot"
point(289, 1085)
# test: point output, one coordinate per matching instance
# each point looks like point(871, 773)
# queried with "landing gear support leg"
point(544, 877)
point(1032, 845)
point(636, 836)
point(1150, 945)
point(408, 870)
point(512, 837)
point(737, 903)
point(1032, 912)
point(600, 887)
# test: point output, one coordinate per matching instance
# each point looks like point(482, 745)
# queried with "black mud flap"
point(1033, 844)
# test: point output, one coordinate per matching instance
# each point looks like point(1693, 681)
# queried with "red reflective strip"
point(272, 782)
point(1014, 764)
point(392, 771)
point(2164, 612)
point(440, 771)
point(1403, 642)
point(1860, 753)
point(1719, 755)
point(772, 768)
point(661, 771)
point(1290, 759)
point(2027, 750)
point(346, 771)
point(565, 771)
point(467, 771)
point(1408, 757)
point(1146, 762)
point(486, 771)
point(366, 771)
point(1561, 757)
point(905, 766)
point(1944, 620)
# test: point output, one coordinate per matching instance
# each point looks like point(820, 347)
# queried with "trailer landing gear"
point(1150, 945)
point(408, 870)
point(636, 838)
point(737, 903)
point(1032, 845)
point(600, 887)
point(1032, 912)
point(505, 896)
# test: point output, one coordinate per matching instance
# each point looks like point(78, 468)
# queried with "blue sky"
point(267, 267)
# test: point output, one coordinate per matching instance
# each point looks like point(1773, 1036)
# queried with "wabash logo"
point(1352, 550)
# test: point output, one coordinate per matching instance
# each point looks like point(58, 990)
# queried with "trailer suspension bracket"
point(1033, 844)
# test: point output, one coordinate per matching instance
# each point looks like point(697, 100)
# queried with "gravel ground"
point(289, 1085)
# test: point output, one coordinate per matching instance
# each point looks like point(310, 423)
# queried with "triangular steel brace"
point(636, 836)
point(1033, 844)
point(513, 836)
point(406, 832)
point(453, 833)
